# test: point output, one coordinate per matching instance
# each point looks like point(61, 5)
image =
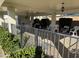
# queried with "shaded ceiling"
point(47, 6)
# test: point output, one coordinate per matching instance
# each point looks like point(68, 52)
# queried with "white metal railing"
point(54, 44)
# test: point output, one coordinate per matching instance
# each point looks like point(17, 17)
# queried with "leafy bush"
point(45, 23)
point(10, 45)
point(28, 52)
point(7, 41)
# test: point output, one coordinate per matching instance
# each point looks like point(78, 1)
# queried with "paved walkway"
point(2, 55)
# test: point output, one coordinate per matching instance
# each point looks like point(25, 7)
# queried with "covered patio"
point(54, 44)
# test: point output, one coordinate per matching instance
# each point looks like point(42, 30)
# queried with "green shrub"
point(10, 45)
point(28, 52)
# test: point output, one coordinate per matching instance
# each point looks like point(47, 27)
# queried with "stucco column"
point(11, 12)
point(9, 27)
point(16, 19)
point(32, 19)
point(53, 22)
point(12, 20)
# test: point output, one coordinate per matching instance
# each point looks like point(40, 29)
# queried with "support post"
point(38, 50)
point(53, 22)
point(11, 20)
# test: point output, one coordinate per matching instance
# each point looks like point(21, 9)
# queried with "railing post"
point(38, 50)
point(21, 40)
point(76, 49)
point(69, 45)
point(36, 37)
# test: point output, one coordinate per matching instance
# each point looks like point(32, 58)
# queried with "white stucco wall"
point(1, 20)
point(9, 19)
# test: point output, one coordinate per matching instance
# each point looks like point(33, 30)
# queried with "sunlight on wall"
point(10, 22)
point(41, 17)
point(1, 21)
point(9, 19)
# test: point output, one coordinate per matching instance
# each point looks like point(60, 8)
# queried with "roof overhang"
point(45, 6)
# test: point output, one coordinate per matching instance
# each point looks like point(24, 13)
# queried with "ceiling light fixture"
point(62, 9)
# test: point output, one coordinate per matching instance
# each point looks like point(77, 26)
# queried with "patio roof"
point(47, 6)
